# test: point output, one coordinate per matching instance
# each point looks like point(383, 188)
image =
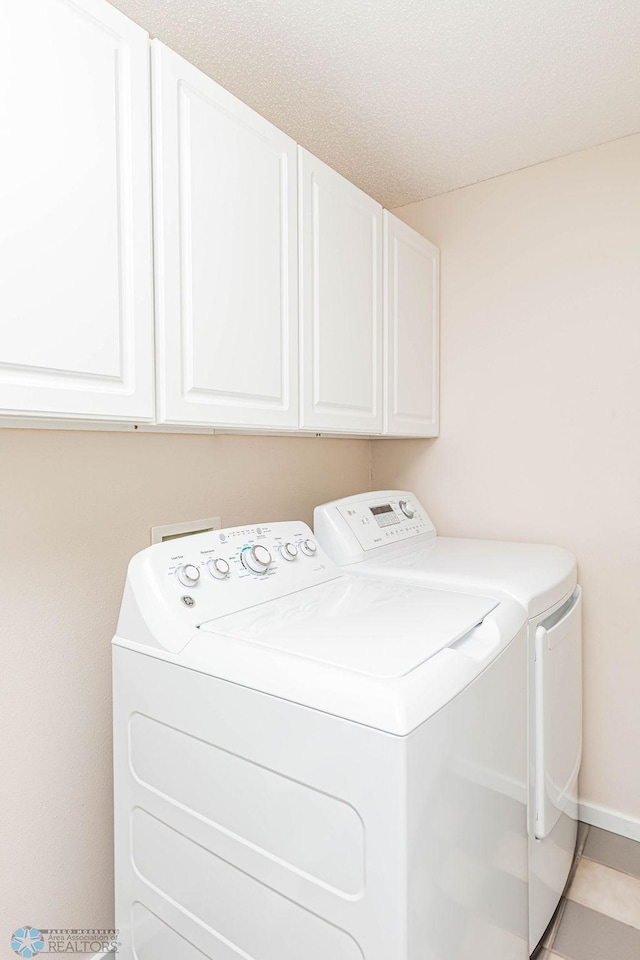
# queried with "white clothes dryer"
point(313, 765)
point(388, 534)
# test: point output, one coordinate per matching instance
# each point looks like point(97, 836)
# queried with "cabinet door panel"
point(411, 331)
point(341, 260)
point(76, 338)
point(226, 222)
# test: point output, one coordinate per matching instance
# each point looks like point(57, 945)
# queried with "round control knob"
point(308, 547)
point(219, 568)
point(188, 575)
point(288, 551)
point(256, 558)
point(408, 508)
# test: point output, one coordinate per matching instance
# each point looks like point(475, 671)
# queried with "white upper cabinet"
point(285, 298)
point(341, 302)
point(411, 331)
point(225, 194)
point(76, 321)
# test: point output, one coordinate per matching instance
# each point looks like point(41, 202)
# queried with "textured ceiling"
point(411, 98)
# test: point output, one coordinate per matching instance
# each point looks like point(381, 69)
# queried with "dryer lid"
point(536, 575)
point(401, 544)
point(376, 628)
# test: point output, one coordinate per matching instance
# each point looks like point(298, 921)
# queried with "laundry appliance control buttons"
point(219, 568)
point(188, 575)
point(256, 558)
point(308, 547)
point(289, 551)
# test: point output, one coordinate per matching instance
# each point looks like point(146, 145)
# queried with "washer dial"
point(188, 575)
point(288, 551)
point(219, 568)
point(408, 508)
point(308, 547)
point(256, 558)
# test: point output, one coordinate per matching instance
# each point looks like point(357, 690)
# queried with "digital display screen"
point(386, 508)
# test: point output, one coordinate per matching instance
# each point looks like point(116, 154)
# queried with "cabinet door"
point(76, 286)
point(341, 297)
point(412, 268)
point(226, 255)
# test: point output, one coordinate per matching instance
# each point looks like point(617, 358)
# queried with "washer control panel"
point(238, 552)
point(208, 575)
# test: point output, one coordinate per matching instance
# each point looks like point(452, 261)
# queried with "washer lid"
point(375, 628)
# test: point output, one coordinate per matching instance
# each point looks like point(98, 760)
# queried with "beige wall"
point(74, 507)
point(540, 436)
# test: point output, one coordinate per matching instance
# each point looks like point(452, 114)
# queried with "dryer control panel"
point(350, 529)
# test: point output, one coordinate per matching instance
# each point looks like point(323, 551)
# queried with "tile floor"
point(599, 916)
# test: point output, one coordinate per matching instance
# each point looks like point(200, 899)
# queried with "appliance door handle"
point(558, 714)
point(549, 627)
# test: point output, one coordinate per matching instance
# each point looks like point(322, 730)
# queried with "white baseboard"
point(609, 820)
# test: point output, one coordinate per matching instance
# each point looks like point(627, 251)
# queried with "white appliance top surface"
point(536, 575)
point(380, 629)
point(264, 607)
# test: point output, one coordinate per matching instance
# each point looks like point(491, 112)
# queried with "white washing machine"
point(388, 534)
point(313, 765)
